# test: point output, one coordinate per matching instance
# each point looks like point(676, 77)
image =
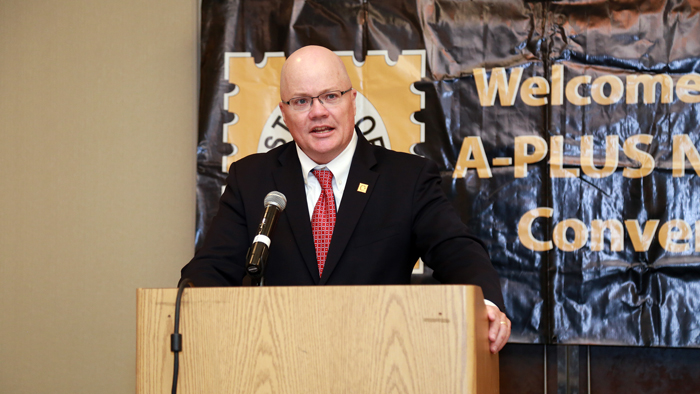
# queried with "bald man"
point(357, 214)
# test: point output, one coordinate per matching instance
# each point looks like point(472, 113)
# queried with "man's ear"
point(284, 117)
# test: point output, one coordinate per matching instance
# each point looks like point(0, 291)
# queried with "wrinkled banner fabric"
point(566, 133)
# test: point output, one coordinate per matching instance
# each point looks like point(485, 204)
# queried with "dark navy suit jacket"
point(379, 234)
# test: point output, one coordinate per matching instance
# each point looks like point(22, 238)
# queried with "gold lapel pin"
point(362, 188)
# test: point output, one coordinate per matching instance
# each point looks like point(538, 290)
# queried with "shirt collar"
point(339, 166)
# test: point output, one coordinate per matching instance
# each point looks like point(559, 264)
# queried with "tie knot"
point(325, 178)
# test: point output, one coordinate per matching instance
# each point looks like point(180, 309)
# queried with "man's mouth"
point(321, 130)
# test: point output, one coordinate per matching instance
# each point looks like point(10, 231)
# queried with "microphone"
point(275, 202)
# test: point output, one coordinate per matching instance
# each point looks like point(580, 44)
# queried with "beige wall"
point(97, 175)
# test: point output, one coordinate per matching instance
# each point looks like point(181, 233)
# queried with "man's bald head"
point(311, 61)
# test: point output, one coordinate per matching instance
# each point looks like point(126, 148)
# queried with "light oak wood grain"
point(335, 339)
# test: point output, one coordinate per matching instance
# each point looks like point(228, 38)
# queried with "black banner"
point(566, 132)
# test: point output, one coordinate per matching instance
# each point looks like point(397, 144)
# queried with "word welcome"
point(604, 90)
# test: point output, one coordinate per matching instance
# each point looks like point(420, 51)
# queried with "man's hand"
point(499, 328)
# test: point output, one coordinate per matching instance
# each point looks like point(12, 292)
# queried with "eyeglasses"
point(328, 99)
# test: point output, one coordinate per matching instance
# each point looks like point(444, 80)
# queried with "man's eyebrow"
point(318, 94)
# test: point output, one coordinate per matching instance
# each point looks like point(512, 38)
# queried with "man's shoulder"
point(264, 158)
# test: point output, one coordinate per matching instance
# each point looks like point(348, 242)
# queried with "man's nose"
point(317, 108)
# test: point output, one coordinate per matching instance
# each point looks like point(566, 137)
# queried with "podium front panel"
point(317, 339)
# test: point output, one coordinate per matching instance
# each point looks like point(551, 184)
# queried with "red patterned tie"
point(323, 219)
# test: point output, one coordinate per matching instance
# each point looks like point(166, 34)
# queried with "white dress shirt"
point(340, 167)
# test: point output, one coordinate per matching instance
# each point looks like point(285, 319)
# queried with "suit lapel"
point(288, 178)
point(352, 204)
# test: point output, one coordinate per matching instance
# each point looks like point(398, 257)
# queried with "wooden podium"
point(317, 339)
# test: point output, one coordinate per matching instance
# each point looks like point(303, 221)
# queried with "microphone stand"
point(256, 272)
point(256, 281)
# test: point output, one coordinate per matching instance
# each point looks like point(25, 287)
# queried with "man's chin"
point(322, 154)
